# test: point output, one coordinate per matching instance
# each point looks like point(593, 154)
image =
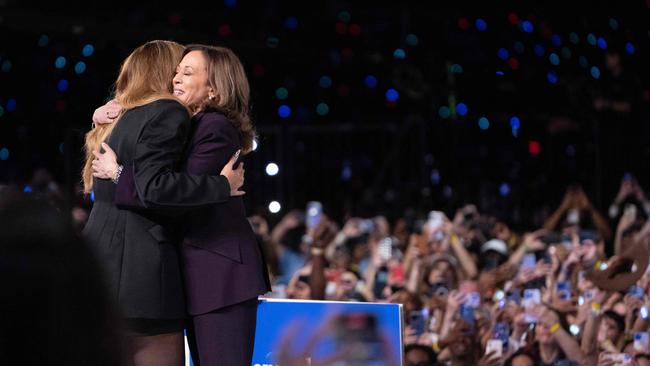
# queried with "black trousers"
point(224, 337)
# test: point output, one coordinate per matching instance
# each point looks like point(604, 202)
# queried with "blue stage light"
point(556, 40)
point(527, 26)
point(284, 111)
point(554, 59)
point(595, 72)
point(483, 123)
point(515, 123)
point(80, 67)
point(291, 23)
point(481, 25)
point(456, 69)
point(573, 37)
point(60, 62)
point(11, 105)
point(629, 48)
point(399, 54)
point(325, 81)
point(591, 39)
point(230, 3)
point(444, 112)
point(504, 189)
point(613, 23)
point(435, 177)
point(552, 77)
point(392, 95)
point(88, 50)
point(503, 54)
point(602, 43)
point(62, 85)
point(370, 81)
point(539, 50)
point(322, 109)
point(43, 40)
point(4, 153)
point(461, 109)
point(346, 171)
point(412, 40)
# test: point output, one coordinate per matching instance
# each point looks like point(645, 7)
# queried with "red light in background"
point(514, 18)
point(354, 29)
point(463, 23)
point(341, 28)
point(224, 30)
point(514, 63)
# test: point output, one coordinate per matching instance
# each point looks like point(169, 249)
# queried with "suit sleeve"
point(214, 143)
point(157, 154)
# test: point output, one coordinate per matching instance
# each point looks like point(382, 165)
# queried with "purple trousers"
point(224, 337)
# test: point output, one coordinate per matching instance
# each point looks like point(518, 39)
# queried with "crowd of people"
point(474, 292)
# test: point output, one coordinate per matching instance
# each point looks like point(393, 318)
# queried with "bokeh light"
point(284, 111)
point(322, 109)
point(483, 123)
point(60, 62)
point(392, 95)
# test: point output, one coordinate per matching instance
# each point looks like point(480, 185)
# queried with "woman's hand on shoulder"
point(107, 113)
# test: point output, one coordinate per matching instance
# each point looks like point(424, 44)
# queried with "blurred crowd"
point(474, 292)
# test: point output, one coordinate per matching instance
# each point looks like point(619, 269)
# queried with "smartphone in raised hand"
point(642, 342)
point(313, 214)
point(467, 315)
point(529, 261)
point(385, 248)
point(563, 291)
point(417, 321)
point(496, 346)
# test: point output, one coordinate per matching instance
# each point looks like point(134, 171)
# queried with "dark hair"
point(520, 352)
point(618, 319)
point(430, 354)
point(292, 238)
point(54, 302)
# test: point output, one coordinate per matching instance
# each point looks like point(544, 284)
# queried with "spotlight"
point(272, 169)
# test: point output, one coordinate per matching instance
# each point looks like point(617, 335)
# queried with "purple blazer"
point(223, 263)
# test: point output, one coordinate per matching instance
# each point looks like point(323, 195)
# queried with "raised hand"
point(107, 113)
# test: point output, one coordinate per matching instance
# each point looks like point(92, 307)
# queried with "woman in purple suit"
point(223, 266)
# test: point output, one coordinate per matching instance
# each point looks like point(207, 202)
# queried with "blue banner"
point(341, 333)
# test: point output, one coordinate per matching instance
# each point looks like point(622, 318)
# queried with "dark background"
point(367, 155)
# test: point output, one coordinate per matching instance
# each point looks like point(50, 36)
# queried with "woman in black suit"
point(137, 248)
point(223, 266)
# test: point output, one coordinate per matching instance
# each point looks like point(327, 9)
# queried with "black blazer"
point(222, 261)
point(136, 247)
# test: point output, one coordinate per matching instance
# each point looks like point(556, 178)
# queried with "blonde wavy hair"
point(145, 76)
point(227, 78)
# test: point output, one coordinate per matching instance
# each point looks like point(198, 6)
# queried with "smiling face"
point(191, 81)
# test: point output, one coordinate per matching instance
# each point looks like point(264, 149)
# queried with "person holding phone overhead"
point(223, 266)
